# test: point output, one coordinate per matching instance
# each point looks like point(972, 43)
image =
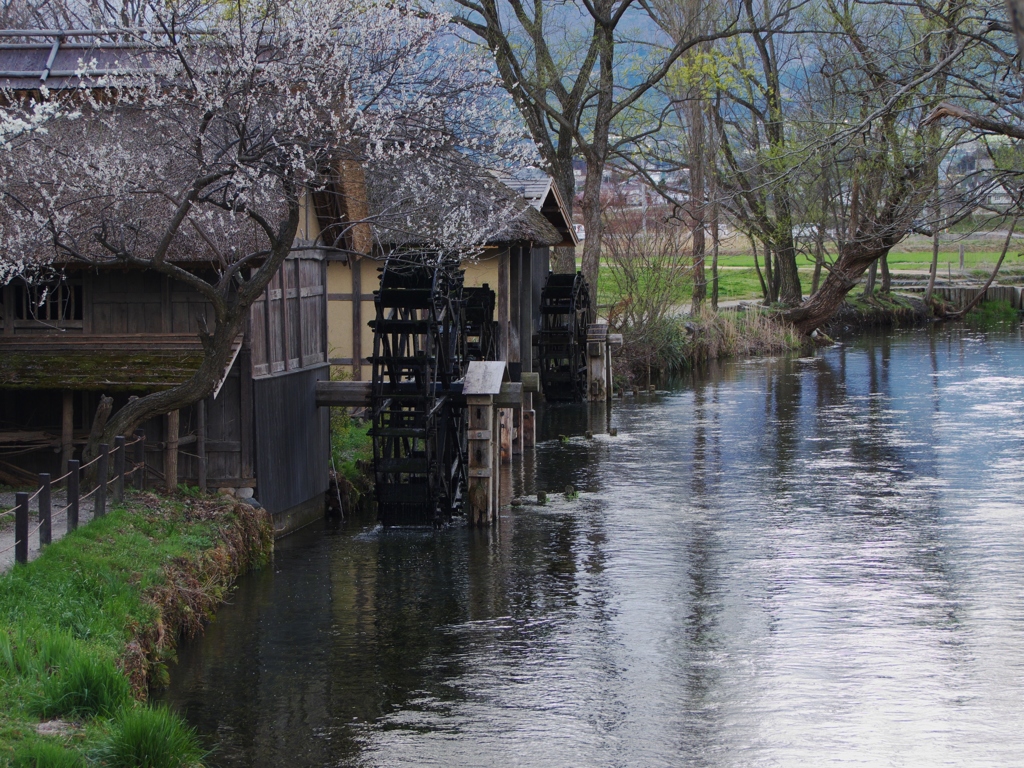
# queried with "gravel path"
point(59, 524)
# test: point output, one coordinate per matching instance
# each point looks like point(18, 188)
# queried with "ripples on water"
point(813, 561)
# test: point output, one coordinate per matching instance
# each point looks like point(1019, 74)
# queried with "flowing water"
point(813, 561)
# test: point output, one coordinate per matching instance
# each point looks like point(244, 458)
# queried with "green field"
point(738, 278)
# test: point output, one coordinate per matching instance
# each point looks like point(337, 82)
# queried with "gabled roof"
point(414, 202)
point(543, 195)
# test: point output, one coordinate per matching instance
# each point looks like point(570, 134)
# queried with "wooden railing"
point(72, 480)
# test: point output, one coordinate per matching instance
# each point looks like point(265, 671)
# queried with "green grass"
point(990, 313)
point(150, 737)
point(350, 443)
point(66, 620)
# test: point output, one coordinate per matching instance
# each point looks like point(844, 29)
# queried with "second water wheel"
point(418, 421)
point(562, 342)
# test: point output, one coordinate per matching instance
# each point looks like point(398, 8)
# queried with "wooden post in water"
point(119, 449)
point(482, 422)
point(201, 441)
point(73, 478)
point(99, 508)
point(21, 528)
point(45, 510)
point(171, 454)
point(482, 385)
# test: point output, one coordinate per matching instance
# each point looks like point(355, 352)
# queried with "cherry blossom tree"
point(201, 142)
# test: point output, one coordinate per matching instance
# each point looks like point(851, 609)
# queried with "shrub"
point(151, 737)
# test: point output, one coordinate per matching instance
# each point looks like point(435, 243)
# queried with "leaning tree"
point(202, 142)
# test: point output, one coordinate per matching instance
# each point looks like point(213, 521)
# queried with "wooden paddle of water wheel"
point(418, 418)
point(562, 342)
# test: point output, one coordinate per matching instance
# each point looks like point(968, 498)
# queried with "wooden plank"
point(503, 303)
point(353, 394)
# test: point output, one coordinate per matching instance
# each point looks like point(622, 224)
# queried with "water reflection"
point(815, 560)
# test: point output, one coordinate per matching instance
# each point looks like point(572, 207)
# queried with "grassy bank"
point(87, 627)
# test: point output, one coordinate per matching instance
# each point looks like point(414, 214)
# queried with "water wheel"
point(562, 342)
point(418, 424)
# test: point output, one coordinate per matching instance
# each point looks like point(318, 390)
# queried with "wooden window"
point(57, 304)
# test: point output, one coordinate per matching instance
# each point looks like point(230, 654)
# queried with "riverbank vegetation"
point(90, 625)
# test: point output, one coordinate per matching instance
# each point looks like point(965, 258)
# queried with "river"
point(791, 561)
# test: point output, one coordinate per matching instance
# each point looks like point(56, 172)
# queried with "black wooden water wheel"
point(418, 418)
point(562, 342)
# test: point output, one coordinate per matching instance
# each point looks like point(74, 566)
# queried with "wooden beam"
point(357, 319)
point(352, 394)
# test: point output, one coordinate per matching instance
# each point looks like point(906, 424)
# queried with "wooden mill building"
point(522, 220)
point(125, 332)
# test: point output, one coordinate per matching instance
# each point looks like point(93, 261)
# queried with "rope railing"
point(105, 481)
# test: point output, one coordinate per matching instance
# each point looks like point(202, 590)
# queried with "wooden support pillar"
point(357, 318)
point(529, 422)
point(201, 443)
point(171, 452)
point(67, 429)
point(496, 462)
point(597, 362)
point(517, 432)
point(505, 435)
point(482, 475)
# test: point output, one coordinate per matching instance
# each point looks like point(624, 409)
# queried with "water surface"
point(813, 561)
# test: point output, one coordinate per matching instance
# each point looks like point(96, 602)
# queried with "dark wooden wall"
point(289, 321)
point(119, 302)
point(292, 438)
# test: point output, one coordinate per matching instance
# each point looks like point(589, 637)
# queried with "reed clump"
point(673, 345)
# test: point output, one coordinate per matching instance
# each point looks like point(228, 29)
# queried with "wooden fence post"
point(140, 460)
point(45, 510)
point(119, 449)
point(73, 477)
point(21, 528)
point(99, 508)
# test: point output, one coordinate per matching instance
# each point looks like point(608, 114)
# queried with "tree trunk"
point(819, 260)
point(869, 286)
point(563, 260)
point(854, 259)
point(769, 276)
point(934, 267)
point(790, 292)
point(700, 288)
point(715, 242)
point(886, 276)
point(757, 269)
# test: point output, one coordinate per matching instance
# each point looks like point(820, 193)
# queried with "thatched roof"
point(450, 203)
